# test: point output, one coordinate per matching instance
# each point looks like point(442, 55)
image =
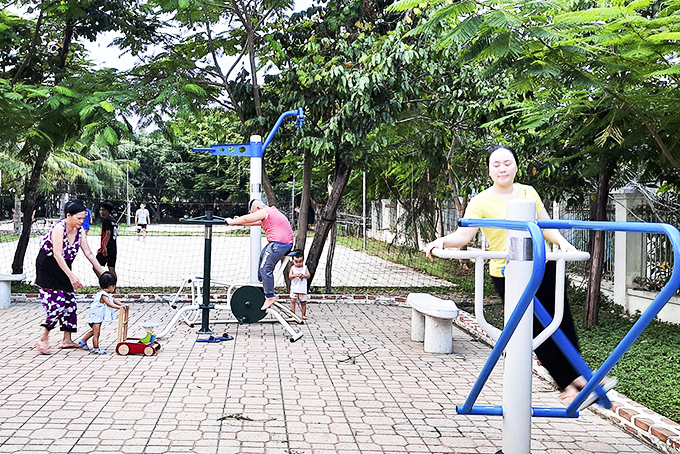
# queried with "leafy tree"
point(597, 80)
point(169, 170)
point(216, 51)
point(54, 100)
point(348, 66)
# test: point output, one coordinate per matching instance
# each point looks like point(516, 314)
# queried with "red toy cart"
point(133, 346)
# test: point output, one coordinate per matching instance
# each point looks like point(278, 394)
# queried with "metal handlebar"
point(538, 268)
point(479, 256)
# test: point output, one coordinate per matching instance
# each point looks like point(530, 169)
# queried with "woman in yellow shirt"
point(492, 203)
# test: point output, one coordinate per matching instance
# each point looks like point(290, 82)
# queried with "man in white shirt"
point(142, 219)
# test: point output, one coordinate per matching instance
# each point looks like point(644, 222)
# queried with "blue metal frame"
point(648, 315)
point(570, 352)
point(253, 149)
point(537, 271)
point(594, 378)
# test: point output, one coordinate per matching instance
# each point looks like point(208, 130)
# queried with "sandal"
point(83, 344)
point(607, 384)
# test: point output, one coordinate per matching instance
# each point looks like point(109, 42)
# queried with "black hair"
point(296, 253)
point(107, 279)
point(501, 147)
point(73, 207)
point(108, 206)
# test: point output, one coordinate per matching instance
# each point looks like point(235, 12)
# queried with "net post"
point(207, 258)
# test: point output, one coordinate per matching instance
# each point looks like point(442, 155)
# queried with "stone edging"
point(638, 420)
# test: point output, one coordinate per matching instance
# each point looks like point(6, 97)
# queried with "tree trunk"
point(30, 194)
point(597, 248)
point(305, 201)
point(327, 217)
point(267, 188)
point(329, 259)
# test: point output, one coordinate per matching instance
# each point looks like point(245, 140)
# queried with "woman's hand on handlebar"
point(436, 244)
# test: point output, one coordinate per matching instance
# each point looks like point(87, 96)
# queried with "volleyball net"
point(171, 253)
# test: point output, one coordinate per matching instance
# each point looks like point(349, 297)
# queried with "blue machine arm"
point(537, 274)
point(648, 315)
point(249, 149)
point(300, 120)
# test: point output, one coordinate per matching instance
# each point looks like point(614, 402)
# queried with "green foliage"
point(595, 86)
point(648, 371)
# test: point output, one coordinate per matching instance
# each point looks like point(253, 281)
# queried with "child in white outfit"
point(298, 275)
point(101, 310)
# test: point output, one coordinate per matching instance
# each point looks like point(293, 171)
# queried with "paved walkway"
point(355, 383)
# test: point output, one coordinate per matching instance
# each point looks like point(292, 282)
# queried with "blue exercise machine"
point(526, 256)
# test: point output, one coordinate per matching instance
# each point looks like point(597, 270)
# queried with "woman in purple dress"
point(55, 279)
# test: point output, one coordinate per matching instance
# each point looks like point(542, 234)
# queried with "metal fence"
point(581, 239)
point(657, 255)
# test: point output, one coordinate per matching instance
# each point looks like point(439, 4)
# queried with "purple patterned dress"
point(56, 291)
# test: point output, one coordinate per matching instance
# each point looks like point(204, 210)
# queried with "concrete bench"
point(431, 322)
point(6, 288)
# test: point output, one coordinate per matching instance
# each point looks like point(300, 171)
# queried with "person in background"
point(280, 241)
point(87, 221)
point(56, 281)
point(142, 219)
point(108, 250)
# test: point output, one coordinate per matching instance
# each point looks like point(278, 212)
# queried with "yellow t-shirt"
point(486, 205)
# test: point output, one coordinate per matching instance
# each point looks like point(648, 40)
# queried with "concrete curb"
point(638, 420)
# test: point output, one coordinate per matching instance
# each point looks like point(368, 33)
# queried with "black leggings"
point(548, 353)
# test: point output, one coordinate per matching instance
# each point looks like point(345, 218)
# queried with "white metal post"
point(255, 193)
point(517, 365)
point(127, 192)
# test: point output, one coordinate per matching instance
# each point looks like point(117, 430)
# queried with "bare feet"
point(68, 344)
point(569, 394)
point(43, 347)
point(571, 391)
point(268, 303)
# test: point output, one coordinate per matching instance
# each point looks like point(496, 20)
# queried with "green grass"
point(648, 372)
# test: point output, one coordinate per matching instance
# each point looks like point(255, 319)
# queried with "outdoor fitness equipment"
point(525, 266)
point(243, 304)
point(243, 299)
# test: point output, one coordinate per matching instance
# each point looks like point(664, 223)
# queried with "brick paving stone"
point(262, 394)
